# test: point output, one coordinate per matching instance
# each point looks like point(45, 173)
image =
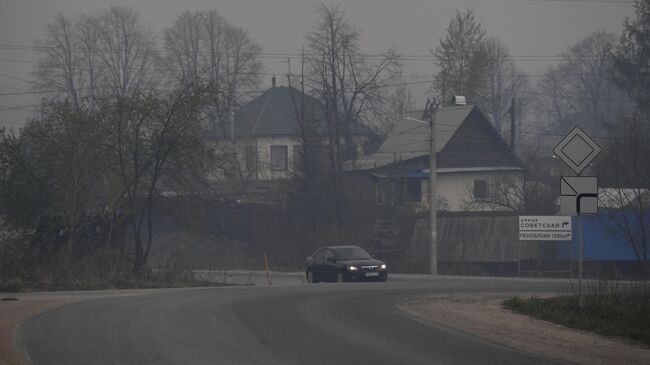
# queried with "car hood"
point(371, 262)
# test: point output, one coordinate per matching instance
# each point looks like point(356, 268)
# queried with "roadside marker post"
point(267, 269)
point(579, 194)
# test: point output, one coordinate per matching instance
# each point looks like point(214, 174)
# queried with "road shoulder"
point(483, 315)
point(12, 312)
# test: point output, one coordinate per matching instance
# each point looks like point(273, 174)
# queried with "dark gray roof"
point(464, 138)
point(273, 113)
point(410, 139)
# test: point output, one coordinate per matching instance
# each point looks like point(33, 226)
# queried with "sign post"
point(579, 194)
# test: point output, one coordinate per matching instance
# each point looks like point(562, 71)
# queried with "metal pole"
point(433, 207)
point(512, 125)
point(267, 268)
point(571, 260)
point(580, 296)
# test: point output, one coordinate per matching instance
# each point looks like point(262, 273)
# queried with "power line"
point(298, 55)
point(586, 1)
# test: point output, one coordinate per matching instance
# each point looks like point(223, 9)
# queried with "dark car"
point(344, 263)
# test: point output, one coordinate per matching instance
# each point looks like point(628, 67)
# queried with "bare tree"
point(348, 85)
point(579, 90)
point(127, 52)
point(153, 142)
point(347, 82)
point(108, 53)
point(626, 172)
point(461, 58)
point(632, 68)
point(503, 83)
point(60, 69)
point(204, 44)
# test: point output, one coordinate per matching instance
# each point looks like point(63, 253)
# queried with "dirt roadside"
point(14, 311)
point(484, 316)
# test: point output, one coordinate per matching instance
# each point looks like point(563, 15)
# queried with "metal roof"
point(465, 138)
point(410, 139)
point(273, 113)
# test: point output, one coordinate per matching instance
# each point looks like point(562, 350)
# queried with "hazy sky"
point(528, 27)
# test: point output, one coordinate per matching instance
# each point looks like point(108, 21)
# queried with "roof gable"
point(476, 143)
point(274, 113)
point(464, 138)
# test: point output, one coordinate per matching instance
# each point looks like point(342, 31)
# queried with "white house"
point(475, 166)
point(267, 138)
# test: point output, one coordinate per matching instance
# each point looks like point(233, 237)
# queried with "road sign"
point(577, 150)
point(579, 195)
point(544, 228)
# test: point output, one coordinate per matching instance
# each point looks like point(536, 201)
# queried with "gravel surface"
point(485, 316)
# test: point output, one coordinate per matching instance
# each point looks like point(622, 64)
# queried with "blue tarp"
point(601, 239)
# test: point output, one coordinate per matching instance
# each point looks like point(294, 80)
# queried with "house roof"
point(464, 139)
point(273, 113)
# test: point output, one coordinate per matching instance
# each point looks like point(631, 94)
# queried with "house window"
point(480, 189)
point(279, 158)
point(251, 159)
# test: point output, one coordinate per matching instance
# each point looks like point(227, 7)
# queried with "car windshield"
point(351, 253)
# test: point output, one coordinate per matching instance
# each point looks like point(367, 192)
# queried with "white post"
point(581, 301)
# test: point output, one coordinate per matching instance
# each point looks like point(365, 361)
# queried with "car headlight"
point(353, 268)
point(383, 266)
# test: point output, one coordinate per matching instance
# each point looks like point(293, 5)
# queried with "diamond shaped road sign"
point(577, 150)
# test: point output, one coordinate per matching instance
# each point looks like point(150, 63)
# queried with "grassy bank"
point(610, 309)
point(150, 279)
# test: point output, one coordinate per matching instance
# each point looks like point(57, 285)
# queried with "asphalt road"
point(350, 323)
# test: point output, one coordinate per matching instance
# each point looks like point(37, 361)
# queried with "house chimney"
point(457, 100)
point(273, 81)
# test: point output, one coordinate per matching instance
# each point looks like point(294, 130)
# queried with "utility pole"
point(512, 124)
point(430, 119)
point(433, 204)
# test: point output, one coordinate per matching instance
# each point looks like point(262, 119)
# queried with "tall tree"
point(347, 82)
point(632, 58)
point(579, 90)
point(626, 174)
point(127, 52)
point(153, 142)
point(348, 87)
point(503, 82)
point(108, 53)
point(462, 58)
point(204, 44)
point(59, 157)
point(61, 67)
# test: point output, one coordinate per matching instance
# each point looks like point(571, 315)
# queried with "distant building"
point(472, 160)
point(266, 139)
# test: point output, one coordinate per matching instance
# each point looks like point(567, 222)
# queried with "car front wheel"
point(311, 279)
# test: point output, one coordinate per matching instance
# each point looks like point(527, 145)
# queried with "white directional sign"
point(577, 150)
point(544, 228)
point(579, 195)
